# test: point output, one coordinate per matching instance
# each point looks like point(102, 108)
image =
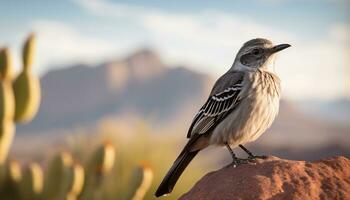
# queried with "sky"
point(203, 35)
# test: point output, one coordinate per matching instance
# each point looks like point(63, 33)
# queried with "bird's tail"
point(175, 172)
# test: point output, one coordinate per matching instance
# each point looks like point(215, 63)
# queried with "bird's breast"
point(256, 112)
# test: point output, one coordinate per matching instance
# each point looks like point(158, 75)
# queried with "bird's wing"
point(223, 99)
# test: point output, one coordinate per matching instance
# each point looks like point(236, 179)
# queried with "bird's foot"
point(239, 161)
point(253, 158)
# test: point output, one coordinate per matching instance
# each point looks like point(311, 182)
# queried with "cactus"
point(27, 86)
point(31, 185)
point(6, 92)
point(57, 175)
point(99, 165)
point(28, 52)
point(76, 182)
point(5, 64)
point(10, 176)
point(71, 197)
point(102, 160)
point(13, 172)
point(2, 175)
point(140, 182)
point(6, 105)
point(7, 131)
point(6, 101)
point(64, 180)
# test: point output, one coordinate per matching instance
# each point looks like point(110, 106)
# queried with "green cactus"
point(57, 175)
point(28, 52)
point(140, 181)
point(6, 92)
point(27, 86)
point(6, 105)
point(71, 197)
point(31, 185)
point(5, 64)
point(11, 175)
point(76, 182)
point(64, 180)
point(102, 160)
point(99, 165)
point(13, 172)
point(2, 175)
point(7, 131)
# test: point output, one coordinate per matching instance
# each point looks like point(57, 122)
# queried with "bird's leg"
point(251, 156)
point(235, 161)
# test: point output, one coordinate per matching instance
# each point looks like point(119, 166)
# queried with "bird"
point(242, 104)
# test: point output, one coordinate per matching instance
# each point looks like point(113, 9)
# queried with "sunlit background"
point(125, 71)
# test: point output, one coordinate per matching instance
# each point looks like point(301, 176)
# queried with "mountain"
point(294, 126)
point(337, 110)
point(138, 84)
point(142, 85)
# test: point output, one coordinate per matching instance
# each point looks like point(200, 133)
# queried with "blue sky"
point(203, 35)
point(305, 16)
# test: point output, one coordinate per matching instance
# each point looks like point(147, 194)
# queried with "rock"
point(276, 178)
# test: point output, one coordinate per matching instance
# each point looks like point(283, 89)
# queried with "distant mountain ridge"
point(141, 83)
point(337, 111)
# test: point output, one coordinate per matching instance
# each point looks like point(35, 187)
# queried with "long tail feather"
point(175, 172)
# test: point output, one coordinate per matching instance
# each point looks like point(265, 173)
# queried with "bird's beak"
point(279, 47)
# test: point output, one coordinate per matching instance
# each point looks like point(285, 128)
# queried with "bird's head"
point(257, 54)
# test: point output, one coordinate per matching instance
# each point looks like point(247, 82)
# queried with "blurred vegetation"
point(140, 155)
point(113, 161)
point(19, 98)
point(135, 143)
point(26, 86)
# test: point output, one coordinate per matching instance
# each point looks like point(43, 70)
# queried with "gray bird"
point(241, 106)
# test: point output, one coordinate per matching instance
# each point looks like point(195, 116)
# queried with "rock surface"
point(275, 178)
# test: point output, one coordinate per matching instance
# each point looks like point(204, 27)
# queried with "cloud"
point(190, 37)
point(61, 44)
point(316, 69)
point(341, 33)
point(107, 8)
point(209, 39)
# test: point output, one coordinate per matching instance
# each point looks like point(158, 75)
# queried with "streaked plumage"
point(221, 102)
point(258, 107)
point(241, 106)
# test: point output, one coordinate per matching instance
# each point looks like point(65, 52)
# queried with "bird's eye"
point(256, 52)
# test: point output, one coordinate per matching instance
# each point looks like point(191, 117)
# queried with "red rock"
point(275, 178)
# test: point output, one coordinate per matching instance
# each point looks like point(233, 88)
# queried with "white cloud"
point(202, 39)
point(208, 40)
point(314, 69)
point(60, 44)
point(341, 33)
point(107, 8)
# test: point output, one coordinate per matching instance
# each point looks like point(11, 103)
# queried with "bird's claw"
point(253, 158)
point(239, 161)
